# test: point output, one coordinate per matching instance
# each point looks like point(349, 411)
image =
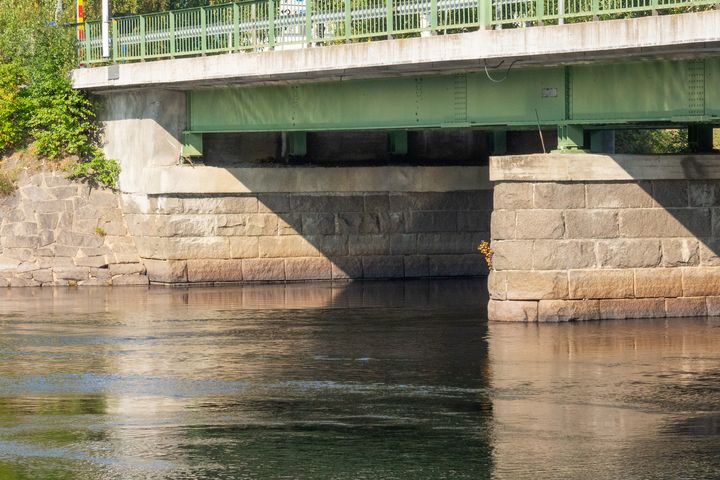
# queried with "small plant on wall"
point(487, 252)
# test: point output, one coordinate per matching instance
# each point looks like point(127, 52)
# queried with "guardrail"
point(258, 25)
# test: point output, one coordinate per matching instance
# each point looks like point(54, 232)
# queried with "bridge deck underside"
point(622, 93)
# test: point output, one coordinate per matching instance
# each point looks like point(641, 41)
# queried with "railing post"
point(203, 30)
point(86, 40)
point(539, 11)
point(308, 22)
point(390, 23)
point(595, 10)
point(348, 19)
point(115, 46)
point(236, 27)
point(271, 23)
point(433, 16)
point(654, 5)
point(142, 37)
point(484, 14)
point(171, 25)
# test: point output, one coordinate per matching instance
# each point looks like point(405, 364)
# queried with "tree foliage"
point(119, 7)
point(659, 141)
point(38, 105)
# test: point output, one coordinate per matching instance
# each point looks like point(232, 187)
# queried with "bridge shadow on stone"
point(328, 220)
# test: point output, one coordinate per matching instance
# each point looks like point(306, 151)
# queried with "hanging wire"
point(507, 72)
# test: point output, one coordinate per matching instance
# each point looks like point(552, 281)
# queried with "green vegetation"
point(656, 141)
point(93, 7)
point(651, 141)
point(38, 106)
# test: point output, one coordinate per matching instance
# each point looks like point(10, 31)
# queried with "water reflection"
point(375, 380)
point(384, 380)
point(626, 399)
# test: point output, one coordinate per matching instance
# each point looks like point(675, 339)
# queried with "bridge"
point(319, 140)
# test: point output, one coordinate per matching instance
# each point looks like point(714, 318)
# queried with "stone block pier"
point(581, 237)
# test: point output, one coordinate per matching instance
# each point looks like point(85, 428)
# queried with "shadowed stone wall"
point(57, 232)
point(224, 223)
point(319, 236)
point(580, 250)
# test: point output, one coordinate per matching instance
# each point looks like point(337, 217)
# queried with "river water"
point(374, 380)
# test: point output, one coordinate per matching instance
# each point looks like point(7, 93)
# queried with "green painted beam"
point(642, 93)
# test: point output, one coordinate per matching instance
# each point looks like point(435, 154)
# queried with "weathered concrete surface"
point(598, 248)
point(143, 129)
point(603, 167)
point(399, 178)
point(57, 232)
point(665, 35)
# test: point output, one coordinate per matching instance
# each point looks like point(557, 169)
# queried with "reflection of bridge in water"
point(322, 380)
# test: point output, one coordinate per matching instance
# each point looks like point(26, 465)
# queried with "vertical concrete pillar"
point(143, 129)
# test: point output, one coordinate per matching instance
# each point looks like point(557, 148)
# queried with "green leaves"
point(96, 170)
point(661, 141)
point(37, 102)
point(14, 106)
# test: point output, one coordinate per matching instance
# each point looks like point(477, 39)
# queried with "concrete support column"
point(144, 129)
point(585, 237)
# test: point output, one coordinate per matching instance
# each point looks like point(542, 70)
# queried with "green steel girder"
point(632, 93)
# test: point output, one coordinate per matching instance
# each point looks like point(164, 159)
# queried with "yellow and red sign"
point(80, 20)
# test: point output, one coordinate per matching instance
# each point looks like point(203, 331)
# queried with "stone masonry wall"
point(57, 232)
point(320, 236)
point(592, 250)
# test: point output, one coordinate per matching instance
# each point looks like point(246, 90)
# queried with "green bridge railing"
point(267, 24)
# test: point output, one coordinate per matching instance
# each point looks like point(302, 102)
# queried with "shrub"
point(96, 170)
point(37, 101)
point(14, 108)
